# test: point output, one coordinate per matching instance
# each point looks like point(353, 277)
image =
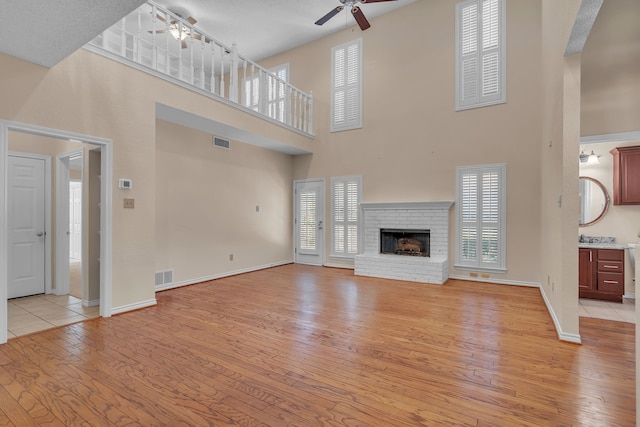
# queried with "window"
point(346, 86)
point(480, 53)
point(267, 93)
point(480, 217)
point(346, 193)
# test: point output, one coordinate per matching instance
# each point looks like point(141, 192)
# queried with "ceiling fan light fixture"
point(176, 33)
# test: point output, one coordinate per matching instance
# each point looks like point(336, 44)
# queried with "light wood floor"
point(299, 345)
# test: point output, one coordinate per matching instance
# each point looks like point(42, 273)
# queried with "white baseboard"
point(135, 306)
point(630, 296)
point(563, 336)
point(496, 281)
point(174, 285)
point(346, 267)
point(92, 303)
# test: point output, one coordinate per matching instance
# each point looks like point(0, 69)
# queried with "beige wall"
point(611, 70)
point(89, 94)
point(412, 139)
point(621, 222)
point(206, 200)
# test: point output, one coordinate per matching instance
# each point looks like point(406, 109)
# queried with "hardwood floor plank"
point(300, 345)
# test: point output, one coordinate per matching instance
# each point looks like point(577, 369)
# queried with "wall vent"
point(221, 143)
point(164, 277)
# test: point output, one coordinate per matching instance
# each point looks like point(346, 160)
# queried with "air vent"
point(221, 143)
point(164, 277)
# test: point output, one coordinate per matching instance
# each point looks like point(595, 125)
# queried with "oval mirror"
point(594, 201)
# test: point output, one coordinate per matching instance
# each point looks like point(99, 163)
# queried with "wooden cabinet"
point(626, 175)
point(601, 274)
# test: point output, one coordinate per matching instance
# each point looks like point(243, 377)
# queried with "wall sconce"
point(590, 159)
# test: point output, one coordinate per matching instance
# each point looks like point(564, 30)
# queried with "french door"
point(309, 222)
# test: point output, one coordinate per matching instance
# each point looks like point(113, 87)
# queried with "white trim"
point(346, 267)
point(92, 303)
point(62, 220)
point(480, 269)
point(629, 296)
point(611, 137)
point(359, 221)
point(563, 336)
point(220, 275)
point(496, 281)
point(134, 306)
point(295, 215)
point(445, 204)
point(47, 213)
point(106, 219)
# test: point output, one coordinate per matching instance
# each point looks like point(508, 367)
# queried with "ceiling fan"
point(355, 11)
point(178, 33)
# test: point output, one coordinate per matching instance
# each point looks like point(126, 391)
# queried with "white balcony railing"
point(156, 40)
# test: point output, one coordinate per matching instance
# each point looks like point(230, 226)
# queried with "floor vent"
point(164, 277)
point(221, 143)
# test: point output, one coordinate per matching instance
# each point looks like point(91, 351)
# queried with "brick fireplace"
point(405, 219)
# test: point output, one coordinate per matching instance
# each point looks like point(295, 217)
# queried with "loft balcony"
point(159, 42)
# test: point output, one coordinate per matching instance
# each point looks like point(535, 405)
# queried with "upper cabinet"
point(626, 175)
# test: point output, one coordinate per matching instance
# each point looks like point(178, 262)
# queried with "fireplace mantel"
point(433, 216)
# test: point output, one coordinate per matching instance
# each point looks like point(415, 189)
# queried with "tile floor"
point(624, 312)
point(40, 312)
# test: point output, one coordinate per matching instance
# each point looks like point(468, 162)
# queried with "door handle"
point(320, 226)
point(40, 234)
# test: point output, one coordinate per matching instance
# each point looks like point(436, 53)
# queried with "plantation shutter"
point(345, 198)
point(481, 217)
point(307, 218)
point(480, 53)
point(346, 97)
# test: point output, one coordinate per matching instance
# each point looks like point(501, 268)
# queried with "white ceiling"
point(45, 31)
point(262, 28)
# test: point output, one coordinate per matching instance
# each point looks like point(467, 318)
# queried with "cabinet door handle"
point(590, 255)
point(611, 266)
point(611, 282)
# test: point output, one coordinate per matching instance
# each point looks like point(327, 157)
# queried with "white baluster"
point(202, 75)
point(213, 68)
point(244, 95)
point(222, 53)
point(233, 77)
point(154, 48)
point(309, 128)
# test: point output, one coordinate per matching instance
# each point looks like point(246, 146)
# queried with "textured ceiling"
point(47, 31)
point(262, 28)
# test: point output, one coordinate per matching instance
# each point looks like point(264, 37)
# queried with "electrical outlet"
point(473, 274)
point(485, 275)
point(230, 257)
point(257, 208)
point(129, 203)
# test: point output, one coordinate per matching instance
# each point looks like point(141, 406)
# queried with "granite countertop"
point(601, 245)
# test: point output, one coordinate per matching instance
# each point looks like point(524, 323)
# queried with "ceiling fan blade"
point(374, 1)
point(191, 20)
point(360, 18)
point(184, 44)
point(329, 15)
point(157, 31)
point(161, 18)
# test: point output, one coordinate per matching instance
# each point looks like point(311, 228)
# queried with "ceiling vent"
point(221, 143)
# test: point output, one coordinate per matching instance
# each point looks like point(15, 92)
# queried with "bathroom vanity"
point(601, 271)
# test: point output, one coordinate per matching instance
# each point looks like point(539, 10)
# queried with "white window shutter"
point(480, 53)
point(346, 194)
point(481, 218)
point(346, 91)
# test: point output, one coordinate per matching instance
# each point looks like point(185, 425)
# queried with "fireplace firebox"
point(405, 242)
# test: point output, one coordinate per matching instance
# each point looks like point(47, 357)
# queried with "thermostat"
point(125, 184)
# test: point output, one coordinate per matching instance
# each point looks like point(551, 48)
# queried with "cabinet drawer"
point(611, 254)
point(610, 266)
point(611, 282)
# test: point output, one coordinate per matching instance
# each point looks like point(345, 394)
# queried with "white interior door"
point(75, 220)
point(309, 222)
point(26, 226)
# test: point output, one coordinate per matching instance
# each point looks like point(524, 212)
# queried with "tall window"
point(346, 193)
point(480, 53)
point(267, 93)
point(346, 86)
point(480, 217)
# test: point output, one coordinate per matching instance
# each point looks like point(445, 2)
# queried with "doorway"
point(309, 222)
point(10, 130)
